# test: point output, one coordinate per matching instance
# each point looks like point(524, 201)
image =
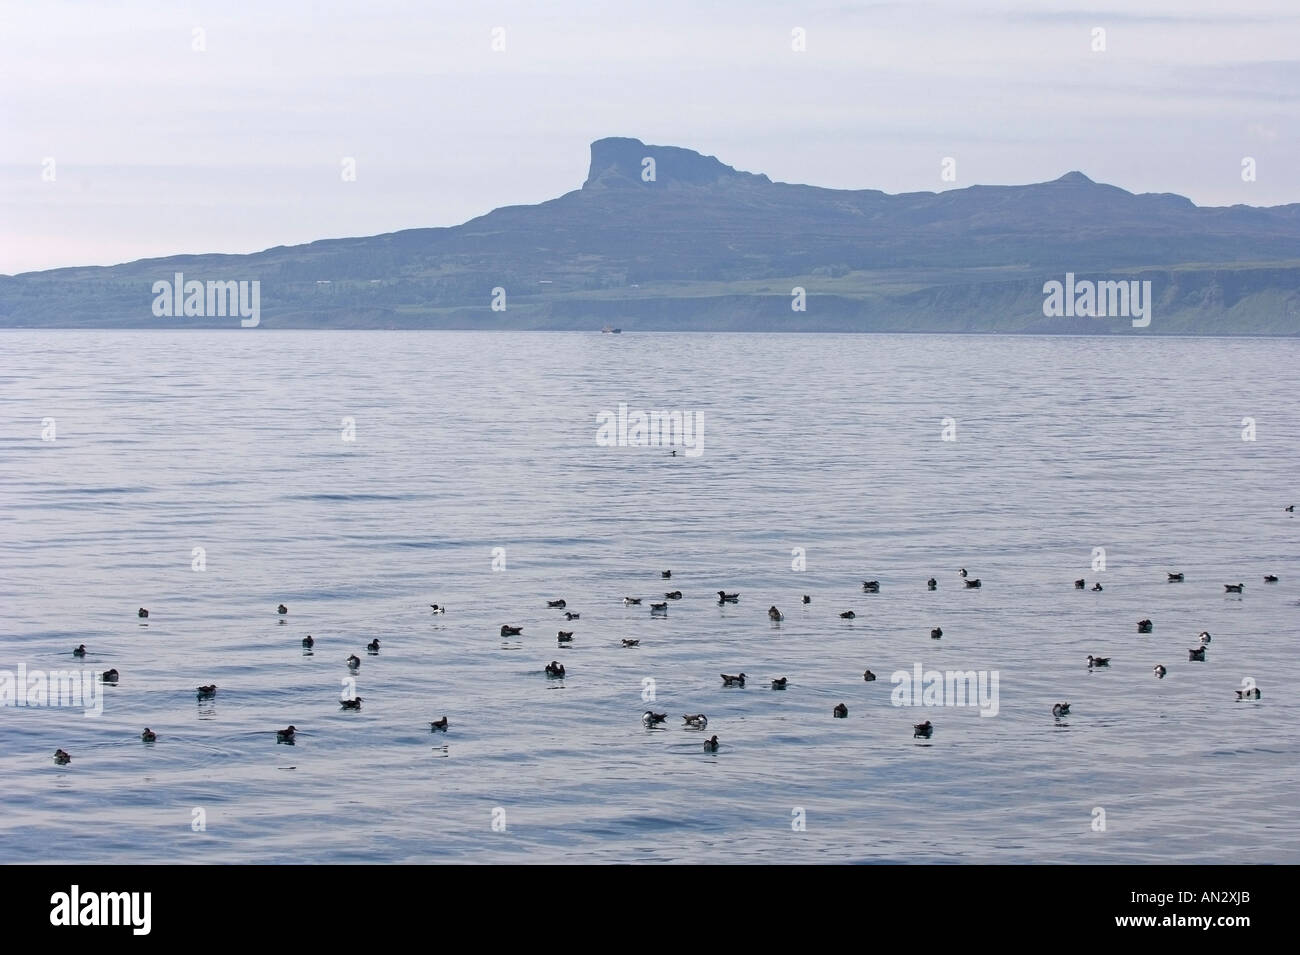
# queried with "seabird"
point(373, 646)
point(779, 683)
point(148, 735)
point(352, 704)
point(1234, 588)
point(1145, 626)
point(438, 609)
point(207, 692)
point(109, 676)
point(1060, 709)
point(696, 721)
point(962, 571)
point(871, 586)
point(651, 718)
point(975, 582)
point(932, 584)
point(509, 631)
point(936, 633)
point(1080, 584)
point(1270, 578)
point(1098, 661)
point(142, 614)
point(436, 726)
point(726, 598)
point(1204, 636)
point(733, 680)
point(282, 609)
point(554, 669)
point(631, 601)
point(631, 643)
point(565, 636)
point(1159, 671)
point(666, 574)
point(354, 661)
point(868, 675)
point(774, 614)
point(1251, 694)
point(659, 607)
point(848, 615)
point(840, 711)
point(711, 745)
point(1197, 654)
point(572, 616)
point(557, 604)
point(286, 735)
point(807, 599)
point(673, 595)
point(79, 651)
point(1096, 587)
point(308, 642)
point(1175, 578)
point(924, 730)
point(61, 757)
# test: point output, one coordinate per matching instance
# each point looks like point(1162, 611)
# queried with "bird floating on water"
point(962, 571)
point(1080, 584)
point(282, 609)
point(774, 614)
point(1159, 671)
point(565, 636)
point(726, 598)
point(696, 721)
point(972, 583)
point(871, 586)
point(1270, 578)
point(711, 745)
point(308, 642)
point(1060, 709)
point(651, 718)
point(555, 668)
point(79, 651)
point(1251, 694)
point(932, 584)
point(143, 615)
point(1204, 636)
point(286, 735)
point(61, 757)
point(779, 683)
point(1145, 626)
point(109, 676)
point(840, 712)
point(631, 643)
point(373, 646)
point(848, 615)
point(659, 607)
point(936, 633)
point(438, 726)
point(354, 661)
point(868, 676)
point(1175, 578)
point(1197, 654)
point(1098, 661)
point(728, 680)
point(557, 604)
point(571, 616)
point(207, 692)
point(352, 704)
point(631, 601)
point(924, 730)
point(666, 574)
point(509, 631)
point(1096, 588)
point(1234, 588)
point(437, 608)
point(807, 599)
point(673, 595)
point(148, 736)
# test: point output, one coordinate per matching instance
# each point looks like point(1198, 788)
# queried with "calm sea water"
point(234, 442)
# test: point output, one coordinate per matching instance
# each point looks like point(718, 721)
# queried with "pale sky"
point(159, 148)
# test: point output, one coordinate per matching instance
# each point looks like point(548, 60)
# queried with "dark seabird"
point(871, 586)
point(373, 646)
point(109, 676)
point(571, 616)
point(631, 643)
point(354, 661)
point(508, 631)
point(733, 680)
point(557, 604)
point(1159, 671)
point(840, 711)
point(696, 721)
point(807, 599)
point(1204, 636)
point(565, 636)
point(932, 584)
point(848, 615)
point(1196, 655)
point(726, 598)
point(1098, 661)
point(659, 607)
point(868, 675)
point(1080, 584)
point(774, 614)
point(1234, 588)
point(924, 730)
point(308, 642)
point(631, 601)
point(1096, 587)
point(711, 745)
point(554, 669)
point(673, 595)
point(1145, 626)
point(438, 609)
point(666, 574)
point(61, 757)
point(1060, 709)
point(286, 735)
point(282, 609)
point(1270, 578)
point(1175, 578)
point(142, 614)
point(1251, 694)
point(651, 718)
point(207, 692)
point(438, 725)
point(779, 683)
point(972, 583)
point(352, 704)
point(80, 651)
point(962, 571)
point(148, 735)
point(936, 633)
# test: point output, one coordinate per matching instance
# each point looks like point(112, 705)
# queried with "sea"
point(357, 477)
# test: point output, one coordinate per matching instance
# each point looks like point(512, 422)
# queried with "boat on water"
point(610, 330)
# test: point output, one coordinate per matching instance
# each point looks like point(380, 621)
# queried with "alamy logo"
point(1089, 299)
point(214, 299)
point(103, 908)
point(653, 429)
point(69, 688)
point(946, 688)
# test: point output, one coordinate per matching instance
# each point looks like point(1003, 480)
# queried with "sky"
point(131, 129)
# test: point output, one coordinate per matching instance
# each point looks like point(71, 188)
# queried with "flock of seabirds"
point(699, 721)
